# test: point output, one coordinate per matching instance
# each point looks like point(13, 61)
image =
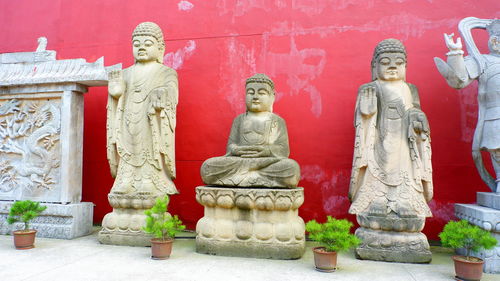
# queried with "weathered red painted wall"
point(318, 52)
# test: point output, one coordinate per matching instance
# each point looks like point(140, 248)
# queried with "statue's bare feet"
point(404, 211)
point(147, 188)
point(121, 189)
point(378, 207)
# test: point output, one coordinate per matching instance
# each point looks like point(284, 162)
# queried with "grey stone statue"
point(257, 150)
point(141, 123)
point(459, 72)
point(391, 180)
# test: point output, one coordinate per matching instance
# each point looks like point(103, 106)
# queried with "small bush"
point(334, 234)
point(160, 223)
point(462, 234)
point(24, 211)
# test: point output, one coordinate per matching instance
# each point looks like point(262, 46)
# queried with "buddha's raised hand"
point(116, 84)
point(368, 101)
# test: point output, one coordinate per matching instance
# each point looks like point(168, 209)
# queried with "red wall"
point(317, 52)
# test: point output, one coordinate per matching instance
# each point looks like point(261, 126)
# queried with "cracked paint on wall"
point(239, 63)
point(185, 5)
point(176, 59)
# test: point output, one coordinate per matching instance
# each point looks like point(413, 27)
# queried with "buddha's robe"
point(140, 144)
point(392, 172)
point(276, 170)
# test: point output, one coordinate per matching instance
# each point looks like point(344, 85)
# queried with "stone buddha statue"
point(257, 150)
point(391, 180)
point(141, 121)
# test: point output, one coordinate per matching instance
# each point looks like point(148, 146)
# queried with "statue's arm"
point(232, 148)
point(164, 105)
point(116, 89)
point(280, 148)
point(458, 71)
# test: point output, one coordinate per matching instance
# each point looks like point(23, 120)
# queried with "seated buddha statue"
point(257, 150)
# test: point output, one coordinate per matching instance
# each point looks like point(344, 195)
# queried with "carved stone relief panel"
point(30, 149)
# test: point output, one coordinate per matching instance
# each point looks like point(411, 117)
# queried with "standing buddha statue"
point(141, 120)
point(391, 180)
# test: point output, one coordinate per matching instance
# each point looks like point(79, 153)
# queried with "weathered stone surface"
point(257, 149)
point(486, 218)
point(41, 135)
point(251, 222)
point(392, 246)
point(391, 179)
point(141, 121)
point(460, 72)
point(57, 221)
point(123, 226)
point(489, 199)
point(41, 107)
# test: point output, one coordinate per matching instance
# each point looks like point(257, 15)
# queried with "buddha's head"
point(389, 61)
point(494, 31)
point(147, 43)
point(259, 93)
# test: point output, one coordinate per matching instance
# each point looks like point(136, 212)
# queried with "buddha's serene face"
point(391, 67)
point(259, 97)
point(145, 48)
point(494, 44)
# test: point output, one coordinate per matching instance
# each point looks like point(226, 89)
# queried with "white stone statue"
point(391, 180)
point(142, 117)
point(141, 124)
point(459, 72)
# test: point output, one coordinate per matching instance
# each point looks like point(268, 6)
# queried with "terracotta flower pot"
point(24, 239)
point(161, 249)
point(470, 270)
point(325, 261)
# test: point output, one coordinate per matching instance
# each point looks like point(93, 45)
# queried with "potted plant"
point(334, 236)
point(163, 226)
point(461, 234)
point(24, 211)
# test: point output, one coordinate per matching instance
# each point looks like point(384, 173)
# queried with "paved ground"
point(84, 259)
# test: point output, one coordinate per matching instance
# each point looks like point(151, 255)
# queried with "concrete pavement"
point(84, 259)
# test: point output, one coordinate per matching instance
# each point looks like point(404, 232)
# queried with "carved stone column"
point(41, 138)
point(251, 222)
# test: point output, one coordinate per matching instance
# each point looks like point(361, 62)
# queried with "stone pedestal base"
point(251, 222)
point(488, 219)
point(57, 221)
point(489, 199)
point(123, 226)
point(392, 238)
point(379, 245)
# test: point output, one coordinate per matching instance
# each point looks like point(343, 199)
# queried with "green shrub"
point(24, 211)
point(160, 223)
point(334, 234)
point(462, 234)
